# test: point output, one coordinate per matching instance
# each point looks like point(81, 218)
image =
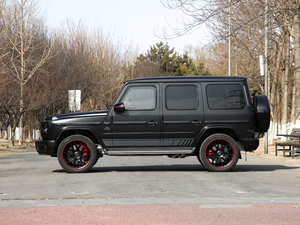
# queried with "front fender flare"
point(87, 131)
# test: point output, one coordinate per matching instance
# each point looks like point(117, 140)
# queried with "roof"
point(186, 79)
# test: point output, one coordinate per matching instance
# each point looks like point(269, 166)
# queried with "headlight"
point(44, 128)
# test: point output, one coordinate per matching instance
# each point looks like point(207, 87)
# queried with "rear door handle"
point(152, 123)
point(195, 122)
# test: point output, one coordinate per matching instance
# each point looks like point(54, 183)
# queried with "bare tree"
point(247, 31)
point(4, 25)
point(39, 68)
point(291, 19)
point(91, 61)
point(26, 52)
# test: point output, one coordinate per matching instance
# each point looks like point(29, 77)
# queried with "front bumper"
point(45, 147)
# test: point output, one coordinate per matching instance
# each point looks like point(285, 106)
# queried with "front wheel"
point(77, 154)
point(219, 153)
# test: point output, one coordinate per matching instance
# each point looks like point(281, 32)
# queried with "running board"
point(148, 152)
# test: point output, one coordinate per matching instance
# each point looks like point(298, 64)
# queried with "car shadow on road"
point(262, 168)
point(185, 168)
point(154, 168)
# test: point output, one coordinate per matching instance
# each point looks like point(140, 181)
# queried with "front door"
point(139, 125)
point(182, 114)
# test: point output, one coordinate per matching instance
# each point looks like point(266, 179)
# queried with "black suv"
point(212, 118)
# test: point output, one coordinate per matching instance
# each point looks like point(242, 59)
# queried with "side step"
point(144, 152)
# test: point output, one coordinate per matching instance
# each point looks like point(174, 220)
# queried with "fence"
point(6, 134)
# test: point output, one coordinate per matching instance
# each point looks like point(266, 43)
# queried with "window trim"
point(181, 85)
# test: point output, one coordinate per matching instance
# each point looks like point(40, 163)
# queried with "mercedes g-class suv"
point(212, 118)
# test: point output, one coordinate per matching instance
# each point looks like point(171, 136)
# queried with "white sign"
point(262, 65)
point(74, 100)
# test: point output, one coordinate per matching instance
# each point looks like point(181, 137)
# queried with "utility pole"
point(236, 58)
point(266, 64)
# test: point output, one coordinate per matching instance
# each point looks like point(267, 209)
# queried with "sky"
point(136, 21)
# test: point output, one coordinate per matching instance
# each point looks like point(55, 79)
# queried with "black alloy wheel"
point(77, 154)
point(219, 153)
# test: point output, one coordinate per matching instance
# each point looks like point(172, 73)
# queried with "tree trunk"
point(285, 84)
point(21, 116)
point(22, 73)
point(13, 130)
point(274, 93)
point(296, 27)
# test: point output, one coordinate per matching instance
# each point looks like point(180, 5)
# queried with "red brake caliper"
point(85, 153)
point(210, 153)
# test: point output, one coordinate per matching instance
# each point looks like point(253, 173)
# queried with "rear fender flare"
point(209, 130)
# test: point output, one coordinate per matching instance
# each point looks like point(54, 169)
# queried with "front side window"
point(140, 98)
point(225, 96)
point(182, 97)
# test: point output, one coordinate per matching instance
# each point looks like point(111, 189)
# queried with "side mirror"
point(119, 107)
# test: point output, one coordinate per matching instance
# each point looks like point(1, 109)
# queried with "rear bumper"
point(45, 147)
point(250, 144)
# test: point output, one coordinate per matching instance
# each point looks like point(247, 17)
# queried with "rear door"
point(182, 114)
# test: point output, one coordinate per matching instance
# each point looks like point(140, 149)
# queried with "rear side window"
point(181, 97)
point(225, 96)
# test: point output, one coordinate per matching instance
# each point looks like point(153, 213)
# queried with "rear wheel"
point(219, 153)
point(77, 154)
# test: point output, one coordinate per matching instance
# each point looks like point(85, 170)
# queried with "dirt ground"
point(271, 153)
point(6, 149)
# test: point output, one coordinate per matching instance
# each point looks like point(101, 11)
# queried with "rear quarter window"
point(225, 96)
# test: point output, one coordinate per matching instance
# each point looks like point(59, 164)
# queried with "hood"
point(77, 115)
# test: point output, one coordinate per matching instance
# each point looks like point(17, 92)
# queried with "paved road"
point(31, 176)
point(258, 191)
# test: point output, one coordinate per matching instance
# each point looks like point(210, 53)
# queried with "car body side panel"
point(180, 127)
point(137, 128)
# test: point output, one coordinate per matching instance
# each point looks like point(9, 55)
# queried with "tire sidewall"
point(198, 157)
point(202, 153)
point(69, 139)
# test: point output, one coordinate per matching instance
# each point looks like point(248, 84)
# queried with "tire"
point(219, 153)
point(198, 157)
point(77, 154)
point(96, 161)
